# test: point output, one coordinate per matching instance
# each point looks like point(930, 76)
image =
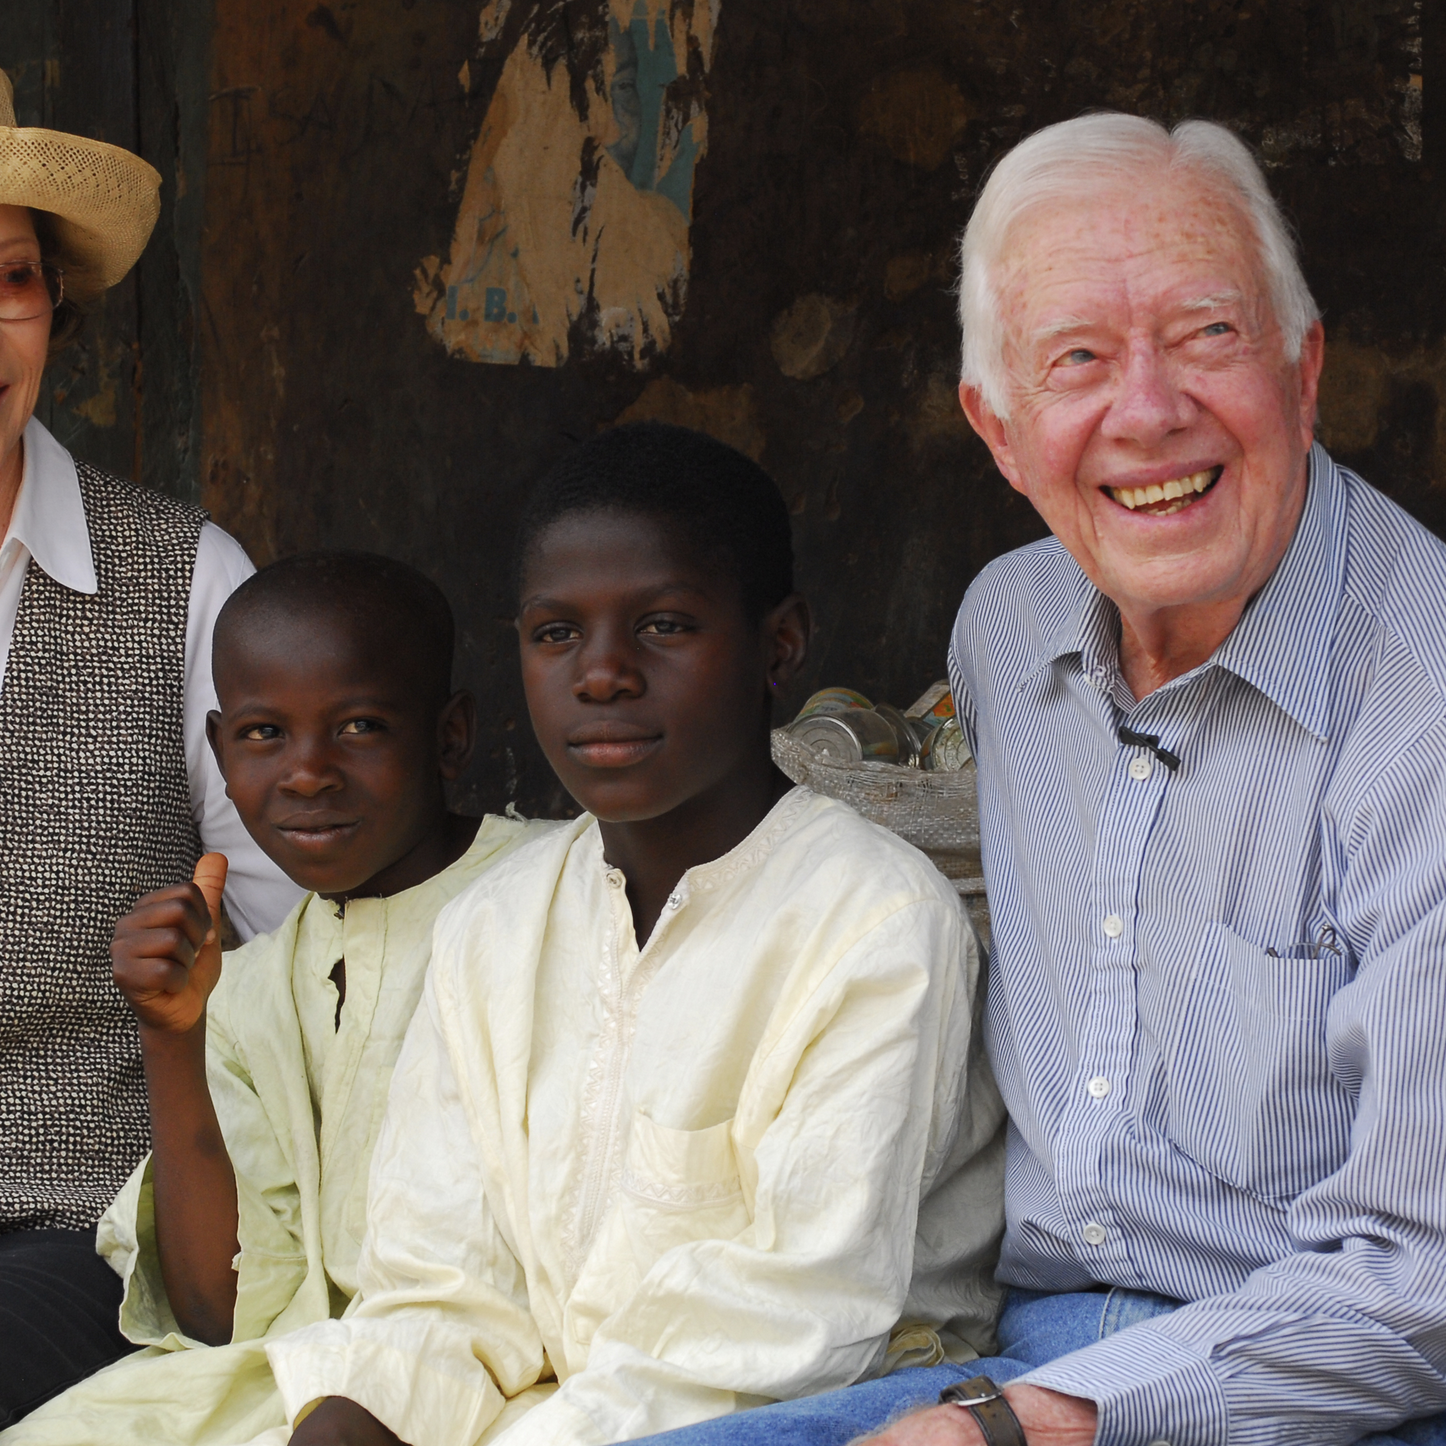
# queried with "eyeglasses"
point(29, 289)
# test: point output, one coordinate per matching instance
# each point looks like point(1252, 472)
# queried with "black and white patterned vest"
point(95, 810)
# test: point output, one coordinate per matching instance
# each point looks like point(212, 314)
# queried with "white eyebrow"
point(1214, 302)
point(1060, 327)
point(1064, 325)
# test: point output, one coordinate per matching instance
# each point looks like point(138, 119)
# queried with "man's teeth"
point(1178, 489)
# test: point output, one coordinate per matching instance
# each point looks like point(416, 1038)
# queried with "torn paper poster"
point(573, 225)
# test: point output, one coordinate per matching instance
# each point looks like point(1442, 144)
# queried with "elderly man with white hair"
point(1210, 719)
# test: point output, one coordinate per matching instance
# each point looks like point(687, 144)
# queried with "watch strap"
point(985, 1402)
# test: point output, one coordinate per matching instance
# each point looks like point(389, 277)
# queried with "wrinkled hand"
point(1048, 1418)
point(339, 1422)
point(166, 953)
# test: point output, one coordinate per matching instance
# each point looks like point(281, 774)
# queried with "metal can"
point(907, 738)
point(946, 750)
point(936, 702)
point(849, 737)
point(923, 728)
point(833, 700)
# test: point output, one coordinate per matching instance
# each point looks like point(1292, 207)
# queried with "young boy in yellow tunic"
point(337, 732)
point(692, 1115)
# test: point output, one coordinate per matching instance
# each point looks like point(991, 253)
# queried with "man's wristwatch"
point(985, 1402)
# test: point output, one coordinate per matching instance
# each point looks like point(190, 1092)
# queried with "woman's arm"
point(166, 959)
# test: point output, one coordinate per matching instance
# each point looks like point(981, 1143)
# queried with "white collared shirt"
point(48, 524)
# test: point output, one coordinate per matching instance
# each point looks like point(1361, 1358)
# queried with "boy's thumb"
point(210, 878)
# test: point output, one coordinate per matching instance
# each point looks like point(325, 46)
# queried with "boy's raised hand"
point(166, 953)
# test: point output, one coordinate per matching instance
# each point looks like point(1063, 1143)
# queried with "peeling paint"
point(812, 336)
point(936, 414)
point(907, 272)
point(102, 408)
point(728, 413)
point(918, 113)
point(573, 225)
point(1385, 411)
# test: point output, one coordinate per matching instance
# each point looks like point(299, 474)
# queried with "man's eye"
point(555, 633)
point(261, 733)
point(361, 725)
point(1216, 328)
point(663, 627)
point(1079, 356)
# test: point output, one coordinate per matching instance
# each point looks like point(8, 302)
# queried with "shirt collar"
point(49, 516)
point(1075, 617)
point(1282, 643)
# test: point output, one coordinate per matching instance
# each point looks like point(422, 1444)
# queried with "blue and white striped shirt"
point(1217, 1005)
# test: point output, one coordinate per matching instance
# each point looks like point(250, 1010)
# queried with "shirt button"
point(1141, 767)
point(616, 880)
point(1114, 926)
point(674, 900)
point(1094, 1233)
point(1098, 1087)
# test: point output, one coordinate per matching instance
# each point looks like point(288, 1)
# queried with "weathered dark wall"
point(845, 140)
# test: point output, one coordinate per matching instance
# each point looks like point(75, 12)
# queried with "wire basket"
point(936, 812)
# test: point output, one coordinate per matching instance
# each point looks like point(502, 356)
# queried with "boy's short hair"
point(402, 613)
point(723, 503)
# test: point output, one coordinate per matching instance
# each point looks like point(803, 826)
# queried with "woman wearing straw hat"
point(107, 789)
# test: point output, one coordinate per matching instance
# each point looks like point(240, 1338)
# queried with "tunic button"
point(1094, 1233)
point(1114, 925)
point(1098, 1087)
point(1141, 767)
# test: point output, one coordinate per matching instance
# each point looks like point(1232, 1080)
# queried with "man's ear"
point(213, 737)
point(786, 631)
point(986, 421)
point(1312, 359)
point(456, 734)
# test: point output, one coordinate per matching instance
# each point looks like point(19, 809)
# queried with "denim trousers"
point(1034, 1329)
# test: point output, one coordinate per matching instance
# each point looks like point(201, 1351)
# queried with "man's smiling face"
point(1155, 419)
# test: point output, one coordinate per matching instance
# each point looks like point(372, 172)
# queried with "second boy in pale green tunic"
point(298, 1078)
point(300, 1100)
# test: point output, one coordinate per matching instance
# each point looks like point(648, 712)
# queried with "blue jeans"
point(1034, 1329)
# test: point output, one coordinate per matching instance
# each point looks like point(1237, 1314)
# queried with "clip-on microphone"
point(1150, 741)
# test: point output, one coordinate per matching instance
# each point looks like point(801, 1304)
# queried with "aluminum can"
point(946, 750)
point(923, 729)
point(849, 737)
point(908, 740)
point(833, 700)
point(936, 702)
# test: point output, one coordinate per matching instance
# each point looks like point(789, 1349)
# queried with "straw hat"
point(104, 200)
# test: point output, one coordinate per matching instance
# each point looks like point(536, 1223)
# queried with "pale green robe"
point(300, 1101)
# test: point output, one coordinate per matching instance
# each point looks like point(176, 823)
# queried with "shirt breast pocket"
point(680, 1185)
point(1250, 1092)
